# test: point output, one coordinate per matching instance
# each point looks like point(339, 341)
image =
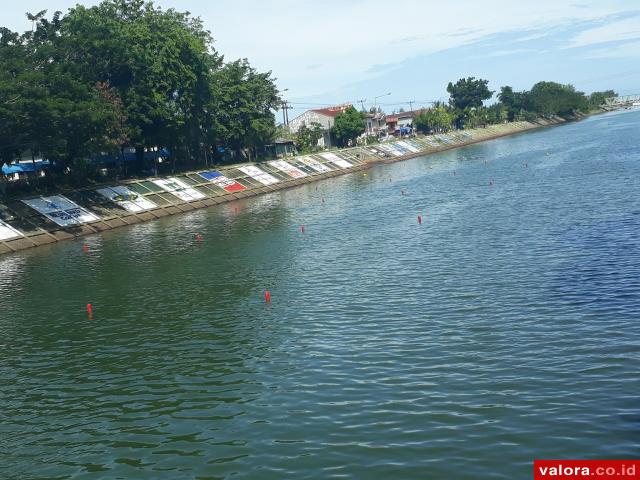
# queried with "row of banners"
point(66, 213)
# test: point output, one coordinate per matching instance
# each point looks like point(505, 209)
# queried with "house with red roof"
point(323, 116)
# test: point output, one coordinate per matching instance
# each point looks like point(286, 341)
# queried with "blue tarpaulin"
point(25, 167)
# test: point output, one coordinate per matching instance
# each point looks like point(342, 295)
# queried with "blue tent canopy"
point(26, 167)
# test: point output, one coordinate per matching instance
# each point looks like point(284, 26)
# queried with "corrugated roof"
point(332, 111)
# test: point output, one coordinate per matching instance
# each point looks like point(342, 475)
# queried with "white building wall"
point(308, 118)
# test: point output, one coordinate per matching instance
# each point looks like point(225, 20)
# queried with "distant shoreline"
point(72, 214)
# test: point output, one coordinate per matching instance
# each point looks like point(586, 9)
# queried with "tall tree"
point(348, 126)
point(307, 137)
point(242, 106)
point(468, 93)
point(551, 98)
point(156, 60)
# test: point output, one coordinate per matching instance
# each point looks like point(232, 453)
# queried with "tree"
point(46, 110)
point(551, 98)
point(596, 99)
point(307, 137)
point(468, 93)
point(157, 61)
point(242, 105)
point(348, 126)
point(436, 119)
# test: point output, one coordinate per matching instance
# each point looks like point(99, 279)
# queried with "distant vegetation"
point(466, 107)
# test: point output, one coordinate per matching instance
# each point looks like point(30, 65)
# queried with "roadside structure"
point(401, 123)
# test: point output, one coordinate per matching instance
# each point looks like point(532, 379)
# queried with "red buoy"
point(90, 311)
point(301, 228)
point(420, 219)
point(85, 248)
point(267, 296)
point(198, 237)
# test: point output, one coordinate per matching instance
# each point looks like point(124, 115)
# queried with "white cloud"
point(626, 29)
point(625, 50)
point(348, 38)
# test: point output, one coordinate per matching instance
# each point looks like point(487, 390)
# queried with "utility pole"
point(285, 113)
point(410, 102)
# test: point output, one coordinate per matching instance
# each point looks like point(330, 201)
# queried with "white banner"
point(61, 210)
point(408, 146)
point(179, 189)
point(316, 165)
point(126, 198)
point(333, 158)
point(389, 149)
point(287, 168)
point(259, 175)
point(7, 231)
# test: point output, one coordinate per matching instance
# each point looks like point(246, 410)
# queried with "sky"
point(325, 52)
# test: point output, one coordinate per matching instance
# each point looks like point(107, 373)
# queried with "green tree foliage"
point(436, 119)
point(158, 62)
point(547, 98)
point(551, 98)
point(348, 126)
point(47, 110)
point(597, 99)
point(307, 137)
point(127, 73)
point(466, 96)
point(468, 93)
point(242, 105)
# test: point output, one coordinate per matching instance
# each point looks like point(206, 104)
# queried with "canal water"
point(504, 328)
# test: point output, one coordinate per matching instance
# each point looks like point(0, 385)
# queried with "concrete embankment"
point(36, 221)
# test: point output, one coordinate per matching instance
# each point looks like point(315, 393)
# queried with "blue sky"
point(335, 51)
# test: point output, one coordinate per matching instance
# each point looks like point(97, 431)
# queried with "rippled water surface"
point(504, 328)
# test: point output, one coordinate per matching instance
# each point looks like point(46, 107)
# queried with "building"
point(325, 117)
point(401, 123)
point(281, 147)
point(375, 123)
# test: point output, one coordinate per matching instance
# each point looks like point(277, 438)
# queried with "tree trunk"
point(139, 164)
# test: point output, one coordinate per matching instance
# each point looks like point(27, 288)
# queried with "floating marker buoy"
point(267, 296)
point(90, 311)
point(85, 248)
point(420, 219)
point(301, 228)
point(322, 199)
point(198, 237)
